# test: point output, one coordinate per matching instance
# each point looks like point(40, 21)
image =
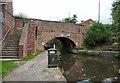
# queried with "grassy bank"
point(29, 57)
point(8, 66)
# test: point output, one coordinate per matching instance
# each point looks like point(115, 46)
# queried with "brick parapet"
point(23, 42)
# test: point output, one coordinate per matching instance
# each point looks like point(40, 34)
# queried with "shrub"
point(97, 35)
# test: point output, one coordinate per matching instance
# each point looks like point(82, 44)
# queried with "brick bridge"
point(41, 32)
point(69, 34)
point(18, 39)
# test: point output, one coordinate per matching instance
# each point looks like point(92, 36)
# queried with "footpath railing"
point(23, 42)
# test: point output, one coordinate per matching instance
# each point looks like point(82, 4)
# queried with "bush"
point(97, 35)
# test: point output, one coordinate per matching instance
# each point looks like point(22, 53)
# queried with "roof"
point(88, 22)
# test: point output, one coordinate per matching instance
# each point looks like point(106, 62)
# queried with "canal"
point(76, 67)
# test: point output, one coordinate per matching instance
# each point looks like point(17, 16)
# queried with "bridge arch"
point(67, 42)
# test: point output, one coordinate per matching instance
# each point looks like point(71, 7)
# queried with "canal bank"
point(36, 70)
point(99, 53)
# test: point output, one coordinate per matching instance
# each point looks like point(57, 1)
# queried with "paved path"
point(35, 70)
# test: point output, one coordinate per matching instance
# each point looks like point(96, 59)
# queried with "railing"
point(6, 34)
point(23, 42)
point(4, 25)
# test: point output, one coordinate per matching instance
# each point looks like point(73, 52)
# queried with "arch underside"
point(67, 43)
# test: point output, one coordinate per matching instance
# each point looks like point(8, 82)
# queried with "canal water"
point(76, 67)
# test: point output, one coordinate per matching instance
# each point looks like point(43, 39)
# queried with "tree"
point(24, 16)
point(70, 20)
point(57, 43)
point(116, 11)
point(97, 35)
point(116, 20)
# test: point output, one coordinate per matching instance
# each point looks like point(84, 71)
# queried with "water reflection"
point(80, 67)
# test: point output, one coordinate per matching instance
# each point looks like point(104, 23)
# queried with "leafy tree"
point(57, 43)
point(24, 16)
point(116, 20)
point(71, 20)
point(116, 11)
point(97, 35)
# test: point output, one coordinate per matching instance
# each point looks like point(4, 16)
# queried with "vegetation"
point(24, 16)
point(0, 69)
point(7, 66)
point(57, 43)
point(29, 57)
point(97, 35)
point(100, 34)
point(71, 20)
point(116, 21)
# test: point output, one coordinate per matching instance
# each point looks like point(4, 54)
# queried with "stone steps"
point(10, 53)
point(9, 57)
point(11, 48)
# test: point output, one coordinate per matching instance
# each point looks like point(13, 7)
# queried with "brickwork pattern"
point(19, 22)
point(31, 40)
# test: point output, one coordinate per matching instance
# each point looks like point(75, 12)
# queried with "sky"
point(56, 10)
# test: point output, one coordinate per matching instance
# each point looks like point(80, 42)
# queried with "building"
point(88, 22)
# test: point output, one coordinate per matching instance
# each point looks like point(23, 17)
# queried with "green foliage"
point(57, 43)
point(26, 20)
point(83, 47)
point(7, 66)
point(24, 16)
point(62, 70)
point(97, 35)
point(116, 11)
point(116, 20)
point(29, 57)
point(59, 55)
point(70, 20)
point(117, 55)
point(0, 69)
point(115, 38)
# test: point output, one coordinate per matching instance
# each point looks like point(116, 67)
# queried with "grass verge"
point(29, 57)
point(8, 66)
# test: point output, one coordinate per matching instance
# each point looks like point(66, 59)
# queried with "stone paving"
point(36, 70)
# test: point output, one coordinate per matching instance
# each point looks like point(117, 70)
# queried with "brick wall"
point(31, 39)
point(49, 30)
point(1, 18)
point(19, 23)
point(8, 17)
point(8, 22)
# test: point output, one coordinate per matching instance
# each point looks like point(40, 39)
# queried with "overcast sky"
point(56, 10)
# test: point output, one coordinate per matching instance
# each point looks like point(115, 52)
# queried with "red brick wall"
point(8, 17)
point(88, 23)
point(31, 40)
point(50, 30)
point(19, 22)
point(8, 24)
